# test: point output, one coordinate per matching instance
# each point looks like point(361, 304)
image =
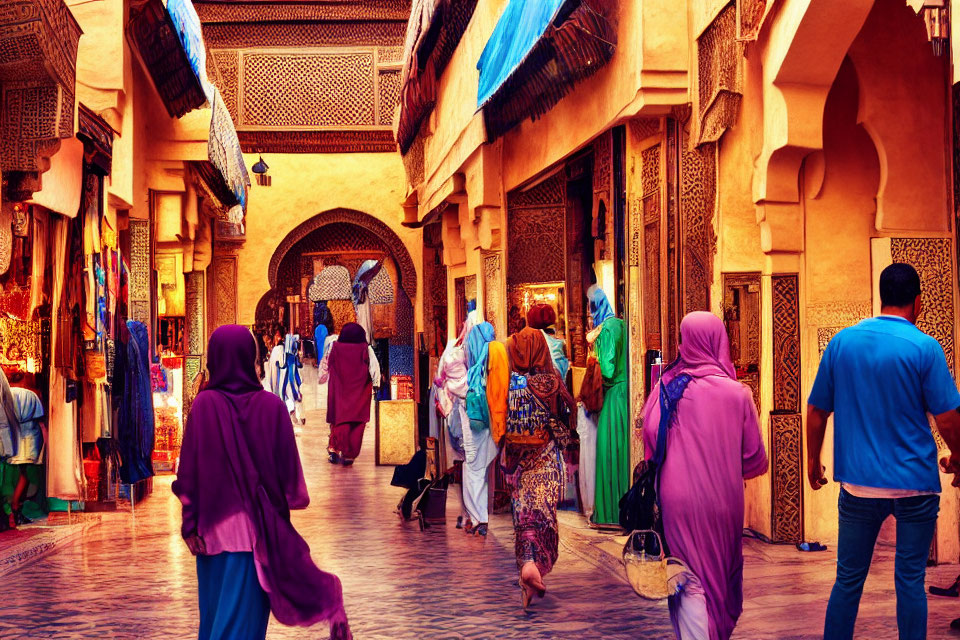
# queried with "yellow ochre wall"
point(884, 141)
point(305, 185)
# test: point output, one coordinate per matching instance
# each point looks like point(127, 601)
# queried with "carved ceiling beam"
point(39, 41)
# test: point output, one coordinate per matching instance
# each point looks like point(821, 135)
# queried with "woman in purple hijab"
point(713, 443)
point(239, 477)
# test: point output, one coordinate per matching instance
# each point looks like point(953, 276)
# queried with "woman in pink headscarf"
point(713, 443)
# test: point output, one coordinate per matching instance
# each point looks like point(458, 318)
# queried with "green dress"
point(613, 427)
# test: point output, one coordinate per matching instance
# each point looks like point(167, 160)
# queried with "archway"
point(343, 239)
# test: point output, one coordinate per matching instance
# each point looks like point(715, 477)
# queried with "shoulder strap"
point(670, 395)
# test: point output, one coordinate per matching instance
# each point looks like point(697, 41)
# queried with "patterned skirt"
point(537, 490)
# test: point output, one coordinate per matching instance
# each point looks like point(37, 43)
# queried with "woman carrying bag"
point(713, 444)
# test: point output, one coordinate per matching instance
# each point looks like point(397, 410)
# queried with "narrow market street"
point(131, 576)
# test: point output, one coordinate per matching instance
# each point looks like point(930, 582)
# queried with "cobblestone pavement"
point(132, 577)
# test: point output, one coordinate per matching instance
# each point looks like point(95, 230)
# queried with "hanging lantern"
point(935, 16)
point(260, 169)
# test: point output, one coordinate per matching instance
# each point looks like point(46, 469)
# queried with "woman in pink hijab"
point(239, 478)
point(713, 443)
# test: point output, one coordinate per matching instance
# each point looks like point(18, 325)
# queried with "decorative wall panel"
point(141, 266)
point(650, 185)
point(749, 18)
point(38, 54)
point(719, 56)
point(933, 260)
point(786, 344)
point(494, 310)
point(388, 88)
point(195, 312)
point(535, 224)
point(364, 141)
point(192, 367)
point(785, 419)
point(396, 440)
point(787, 443)
point(643, 128)
point(831, 317)
point(698, 186)
point(308, 90)
point(225, 290)
point(226, 64)
point(742, 317)
point(296, 34)
point(341, 10)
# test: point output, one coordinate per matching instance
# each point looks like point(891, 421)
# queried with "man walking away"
point(881, 378)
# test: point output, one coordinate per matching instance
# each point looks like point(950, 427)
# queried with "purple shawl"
point(350, 388)
point(713, 444)
point(240, 455)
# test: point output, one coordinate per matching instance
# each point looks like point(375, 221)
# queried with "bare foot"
point(531, 580)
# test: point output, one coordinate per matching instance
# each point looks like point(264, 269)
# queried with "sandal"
point(953, 591)
point(481, 530)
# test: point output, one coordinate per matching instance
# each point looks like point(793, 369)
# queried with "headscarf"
point(541, 316)
point(478, 348)
point(231, 360)
point(600, 307)
point(528, 351)
point(9, 421)
point(704, 348)
point(352, 333)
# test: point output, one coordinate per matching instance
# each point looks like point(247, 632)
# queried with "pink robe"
point(713, 444)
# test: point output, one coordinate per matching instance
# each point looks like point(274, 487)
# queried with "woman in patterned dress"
point(536, 472)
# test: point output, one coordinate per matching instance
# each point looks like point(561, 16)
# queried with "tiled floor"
point(132, 577)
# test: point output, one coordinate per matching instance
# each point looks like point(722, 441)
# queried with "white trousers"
point(480, 451)
point(688, 610)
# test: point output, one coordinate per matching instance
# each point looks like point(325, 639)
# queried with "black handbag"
point(640, 506)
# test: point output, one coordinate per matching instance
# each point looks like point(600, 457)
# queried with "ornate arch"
point(407, 270)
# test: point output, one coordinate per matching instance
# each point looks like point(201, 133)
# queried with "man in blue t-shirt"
point(881, 378)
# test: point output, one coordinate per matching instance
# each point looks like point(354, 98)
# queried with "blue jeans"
point(860, 520)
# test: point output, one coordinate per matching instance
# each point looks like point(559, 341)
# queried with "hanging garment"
point(587, 430)
point(135, 432)
point(63, 453)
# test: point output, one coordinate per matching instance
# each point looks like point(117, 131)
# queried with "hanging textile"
point(135, 432)
point(523, 23)
point(63, 448)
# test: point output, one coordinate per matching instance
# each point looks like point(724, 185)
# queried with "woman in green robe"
point(613, 427)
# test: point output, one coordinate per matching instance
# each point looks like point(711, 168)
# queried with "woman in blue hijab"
point(478, 445)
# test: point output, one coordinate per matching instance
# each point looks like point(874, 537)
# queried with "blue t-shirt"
point(880, 378)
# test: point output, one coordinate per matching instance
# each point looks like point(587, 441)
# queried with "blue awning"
point(186, 23)
point(521, 25)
